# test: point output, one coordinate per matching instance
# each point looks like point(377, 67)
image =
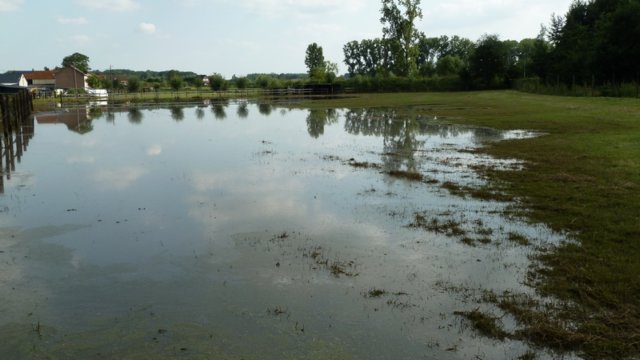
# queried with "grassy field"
point(583, 177)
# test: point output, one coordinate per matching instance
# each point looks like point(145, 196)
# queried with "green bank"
point(582, 177)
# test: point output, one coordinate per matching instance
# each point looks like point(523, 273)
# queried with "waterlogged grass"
point(486, 325)
point(582, 177)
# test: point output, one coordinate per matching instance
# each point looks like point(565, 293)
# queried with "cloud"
point(81, 39)
point(147, 28)
point(10, 5)
point(72, 21)
point(111, 5)
point(298, 8)
point(118, 178)
point(154, 150)
point(81, 159)
point(512, 19)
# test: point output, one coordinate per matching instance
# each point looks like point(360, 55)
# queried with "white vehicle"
point(98, 93)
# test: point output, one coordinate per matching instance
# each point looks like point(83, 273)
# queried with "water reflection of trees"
point(177, 112)
point(404, 132)
point(111, 117)
point(219, 111)
point(265, 109)
point(135, 115)
point(318, 119)
point(243, 110)
point(16, 135)
point(398, 133)
point(199, 113)
point(95, 113)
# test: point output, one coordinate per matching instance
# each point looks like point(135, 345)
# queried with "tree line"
point(596, 43)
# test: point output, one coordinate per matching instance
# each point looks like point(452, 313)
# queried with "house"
point(13, 78)
point(41, 79)
point(70, 77)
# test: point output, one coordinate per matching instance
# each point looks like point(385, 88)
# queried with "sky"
point(233, 37)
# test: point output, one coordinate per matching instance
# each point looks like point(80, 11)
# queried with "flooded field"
point(253, 231)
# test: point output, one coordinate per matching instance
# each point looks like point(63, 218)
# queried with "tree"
point(489, 61)
point(175, 81)
point(398, 18)
point(619, 49)
point(331, 71)
point(449, 65)
point(217, 82)
point(241, 82)
point(555, 31)
point(263, 81)
point(314, 60)
point(77, 60)
point(133, 84)
point(94, 81)
point(195, 81)
point(352, 57)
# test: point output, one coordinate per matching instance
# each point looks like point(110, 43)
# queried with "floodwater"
point(253, 231)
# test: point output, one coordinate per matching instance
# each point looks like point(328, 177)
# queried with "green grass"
point(582, 177)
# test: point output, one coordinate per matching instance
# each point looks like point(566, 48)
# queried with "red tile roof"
point(40, 75)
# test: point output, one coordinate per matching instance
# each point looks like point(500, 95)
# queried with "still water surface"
point(252, 231)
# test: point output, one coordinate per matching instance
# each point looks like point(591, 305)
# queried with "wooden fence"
point(17, 129)
point(15, 103)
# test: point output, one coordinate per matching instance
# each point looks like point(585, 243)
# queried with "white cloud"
point(147, 28)
point(81, 39)
point(10, 5)
point(118, 179)
point(154, 150)
point(512, 19)
point(111, 5)
point(72, 21)
point(82, 159)
point(288, 8)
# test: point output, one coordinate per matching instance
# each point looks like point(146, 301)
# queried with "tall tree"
point(79, 61)
point(398, 19)
point(618, 48)
point(489, 61)
point(352, 57)
point(314, 60)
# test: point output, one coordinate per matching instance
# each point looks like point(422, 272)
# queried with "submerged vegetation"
point(583, 178)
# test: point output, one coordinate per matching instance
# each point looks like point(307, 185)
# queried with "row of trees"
point(216, 82)
point(596, 42)
point(403, 51)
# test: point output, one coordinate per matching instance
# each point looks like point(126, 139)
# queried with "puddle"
point(255, 231)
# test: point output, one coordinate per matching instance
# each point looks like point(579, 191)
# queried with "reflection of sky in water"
point(181, 208)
